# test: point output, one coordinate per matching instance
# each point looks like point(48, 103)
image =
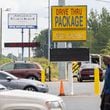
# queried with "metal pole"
point(49, 72)
point(70, 77)
point(0, 32)
point(22, 44)
point(61, 65)
point(29, 42)
point(49, 30)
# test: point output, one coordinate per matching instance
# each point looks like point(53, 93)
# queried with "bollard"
point(96, 82)
point(49, 73)
point(43, 76)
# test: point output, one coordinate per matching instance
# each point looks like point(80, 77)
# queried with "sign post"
point(69, 54)
point(69, 23)
point(22, 21)
point(70, 77)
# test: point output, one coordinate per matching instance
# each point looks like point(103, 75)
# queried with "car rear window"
point(90, 66)
point(24, 66)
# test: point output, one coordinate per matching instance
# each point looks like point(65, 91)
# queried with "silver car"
point(2, 87)
point(12, 82)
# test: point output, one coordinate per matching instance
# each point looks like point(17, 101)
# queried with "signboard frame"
point(62, 33)
point(22, 21)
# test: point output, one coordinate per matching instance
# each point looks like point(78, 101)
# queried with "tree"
point(43, 39)
point(100, 25)
point(93, 22)
point(11, 56)
point(42, 51)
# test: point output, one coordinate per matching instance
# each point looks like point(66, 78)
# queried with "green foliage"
point(89, 42)
point(93, 23)
point(100, 25)
point(106, 50)
point(11, 56)
point(4, 60)
point(42, 51)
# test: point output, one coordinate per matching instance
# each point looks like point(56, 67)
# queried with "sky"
point(41, 8)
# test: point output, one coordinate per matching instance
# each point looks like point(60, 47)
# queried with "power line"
point(103, 1)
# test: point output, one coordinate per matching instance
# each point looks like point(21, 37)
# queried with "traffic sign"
point(24, 44)
point(69, 23)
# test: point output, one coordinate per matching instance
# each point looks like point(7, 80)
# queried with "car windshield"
point(89, 66)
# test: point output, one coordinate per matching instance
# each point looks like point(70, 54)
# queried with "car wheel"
point(32, 77)
point(30, 88)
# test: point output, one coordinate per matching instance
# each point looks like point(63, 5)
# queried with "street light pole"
point(22, 32)
point(29, 51)
point(48, 30)
point(7, 9)
point(49, 69)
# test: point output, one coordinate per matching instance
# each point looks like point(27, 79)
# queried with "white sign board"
point(22, 21)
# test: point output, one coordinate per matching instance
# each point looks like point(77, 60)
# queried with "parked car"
point(86, 72)
point(12, 82)
point(28, 100)
point(23, 69)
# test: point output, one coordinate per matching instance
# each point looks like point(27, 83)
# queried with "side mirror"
point(9, 78)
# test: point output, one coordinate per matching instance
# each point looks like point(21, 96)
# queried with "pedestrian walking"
point(105, 95)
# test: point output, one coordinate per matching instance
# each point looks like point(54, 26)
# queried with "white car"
point(28, 100)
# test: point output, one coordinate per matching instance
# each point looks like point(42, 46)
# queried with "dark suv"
point(23, 69)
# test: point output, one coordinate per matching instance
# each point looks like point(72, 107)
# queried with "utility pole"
point(48, 31)
point(1, 10)
point(0, 32)
point(22, 32)
point(61, 65)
